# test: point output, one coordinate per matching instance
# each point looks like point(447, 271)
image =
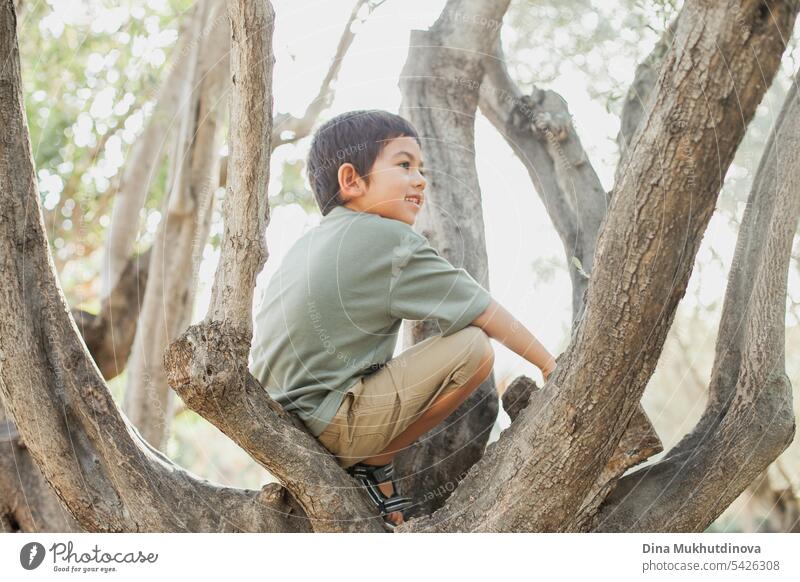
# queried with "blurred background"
point(92, 70)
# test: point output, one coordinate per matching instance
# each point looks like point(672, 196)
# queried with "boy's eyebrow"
point(421, 163)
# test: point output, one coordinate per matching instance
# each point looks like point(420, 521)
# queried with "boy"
point(326, 330)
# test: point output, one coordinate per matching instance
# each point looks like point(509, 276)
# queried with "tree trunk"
point(183, 231)
point(538, 128)
point(634, 108)
point(749, 418)
point(144, 156)
point(27, 503)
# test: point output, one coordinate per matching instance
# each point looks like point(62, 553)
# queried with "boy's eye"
point(407, 165)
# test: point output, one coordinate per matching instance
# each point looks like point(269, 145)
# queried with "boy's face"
point(396, 184)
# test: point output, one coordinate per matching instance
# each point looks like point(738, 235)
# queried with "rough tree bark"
point(538, 128)
point(634, 107)
point(749, 419)
point(183, 231)
point(27, 502)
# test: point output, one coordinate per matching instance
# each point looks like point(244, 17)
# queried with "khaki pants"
point(384, 403)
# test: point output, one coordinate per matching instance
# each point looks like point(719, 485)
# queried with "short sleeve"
point(424, 285)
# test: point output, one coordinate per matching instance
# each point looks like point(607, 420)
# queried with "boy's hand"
point(549, 369)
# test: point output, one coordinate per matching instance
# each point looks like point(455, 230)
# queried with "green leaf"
point(577, 264)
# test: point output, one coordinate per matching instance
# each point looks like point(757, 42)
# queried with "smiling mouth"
point(414, 199)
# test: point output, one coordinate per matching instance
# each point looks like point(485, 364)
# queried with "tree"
point(561, 464)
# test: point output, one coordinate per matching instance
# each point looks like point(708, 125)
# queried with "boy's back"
point(332, 311)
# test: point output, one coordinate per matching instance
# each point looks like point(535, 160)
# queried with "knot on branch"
point(208, 363)
point(517, 396)
point(525, 109)
point(546, 112)
point(273, 494)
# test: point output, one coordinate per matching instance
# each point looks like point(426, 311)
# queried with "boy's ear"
point(351, 184)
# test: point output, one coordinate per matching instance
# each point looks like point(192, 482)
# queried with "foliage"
point(91, 75)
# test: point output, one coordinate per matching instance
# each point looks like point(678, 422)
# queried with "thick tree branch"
point(749, 418)
point(539, 129)
point(27, 502)
point(245, 210)
point(109, 334)
point(207, 367)
point(633, 109)
point(639, 443)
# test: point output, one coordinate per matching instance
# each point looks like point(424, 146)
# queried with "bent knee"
point(481, 353)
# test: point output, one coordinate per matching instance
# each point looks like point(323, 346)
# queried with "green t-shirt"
point(332, 311)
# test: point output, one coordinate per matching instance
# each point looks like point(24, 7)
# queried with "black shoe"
point(370, 476)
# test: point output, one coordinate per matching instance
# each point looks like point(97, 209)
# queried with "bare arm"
point(500, 325)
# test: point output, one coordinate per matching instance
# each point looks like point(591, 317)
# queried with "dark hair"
point(355, 137)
